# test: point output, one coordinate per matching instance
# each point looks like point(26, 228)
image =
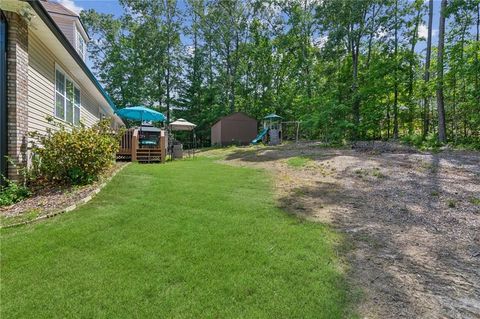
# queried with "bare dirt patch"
point(413, 220)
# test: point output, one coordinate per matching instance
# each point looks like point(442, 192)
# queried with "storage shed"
point(237, 128)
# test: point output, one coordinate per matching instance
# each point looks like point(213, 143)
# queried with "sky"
point(114, 7)
point(104, 6)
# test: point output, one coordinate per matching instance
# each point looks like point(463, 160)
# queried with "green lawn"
point(298, 161)
point(189, 239)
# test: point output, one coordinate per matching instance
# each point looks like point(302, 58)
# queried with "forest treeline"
point(364, 69)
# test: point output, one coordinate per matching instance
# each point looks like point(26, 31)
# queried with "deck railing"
point(131, 150)
point(126, 141)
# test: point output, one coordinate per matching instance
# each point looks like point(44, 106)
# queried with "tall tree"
point(346, 21)
point(442, 130)
point(396, 71)
point(426, 98)
point(417, 8)
point(346, 69)
point(477, 54)
point(157, 35)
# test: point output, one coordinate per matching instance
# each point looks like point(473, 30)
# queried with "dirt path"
point(413, 220)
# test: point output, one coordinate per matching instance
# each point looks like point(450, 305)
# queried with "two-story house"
point(43, 74)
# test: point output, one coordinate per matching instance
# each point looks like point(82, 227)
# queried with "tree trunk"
point(395, 98)
point(160, 94)
point(195, 70)
point(388, 120)
point(305, 52)
point(477, 74)
point(370, 37)
point(453, 116)
point(229, 77)
point(426, 100)
point(356, 99)
point(167, 79)
point(463, 95)
point(442, 137)
point(411, 107)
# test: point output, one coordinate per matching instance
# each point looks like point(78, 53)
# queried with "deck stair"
point(149, 155)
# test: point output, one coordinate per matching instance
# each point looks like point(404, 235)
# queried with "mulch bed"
point(50, 199)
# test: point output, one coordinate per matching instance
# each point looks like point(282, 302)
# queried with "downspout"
point(3, 97)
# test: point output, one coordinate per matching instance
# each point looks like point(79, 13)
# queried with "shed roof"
point(233, 114)
point(273, 117)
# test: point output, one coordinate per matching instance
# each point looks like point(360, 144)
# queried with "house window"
point(81, 46)
point(67, 99)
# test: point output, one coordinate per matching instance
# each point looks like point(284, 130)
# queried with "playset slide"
point(260, 136)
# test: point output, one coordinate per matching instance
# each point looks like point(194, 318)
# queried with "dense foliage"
point(12, 192)
point(74, 155)
point(369, 69)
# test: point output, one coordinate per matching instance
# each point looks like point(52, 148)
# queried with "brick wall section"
point(17, 93)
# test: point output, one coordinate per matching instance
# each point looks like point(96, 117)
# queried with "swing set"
point(275, 131)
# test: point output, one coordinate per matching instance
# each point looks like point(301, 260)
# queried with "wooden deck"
point(130, 149)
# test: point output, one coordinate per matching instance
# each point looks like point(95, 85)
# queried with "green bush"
point(75, 156)
point(469, 143)
point(12, 193)
point(430, 142)
point(414, 140)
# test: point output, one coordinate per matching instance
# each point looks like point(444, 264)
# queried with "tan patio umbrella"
point(182, 125)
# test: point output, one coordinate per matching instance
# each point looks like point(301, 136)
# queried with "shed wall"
point(238, 131)
point(216, 134)
point(237, 128)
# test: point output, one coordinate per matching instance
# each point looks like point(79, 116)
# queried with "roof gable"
point(55, 7)
point(60, 14)
point(236, 116)
point(45, 21)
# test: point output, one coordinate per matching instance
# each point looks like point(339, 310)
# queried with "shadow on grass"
point(312, 151)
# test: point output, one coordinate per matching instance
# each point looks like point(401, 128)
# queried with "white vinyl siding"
point(76, 106)
point(67, 98)
point(41, 85)
point(41, 90)
point(90, 109)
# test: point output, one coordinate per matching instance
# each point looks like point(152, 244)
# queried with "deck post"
point(162, 147)
point(134, 145)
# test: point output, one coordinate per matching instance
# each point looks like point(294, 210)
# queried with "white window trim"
point(79, 35)
point(75, 85)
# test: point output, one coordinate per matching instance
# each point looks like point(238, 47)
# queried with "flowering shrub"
point(76, 156)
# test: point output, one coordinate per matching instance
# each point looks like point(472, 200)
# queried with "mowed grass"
point(298, 161)
point(189, 239)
